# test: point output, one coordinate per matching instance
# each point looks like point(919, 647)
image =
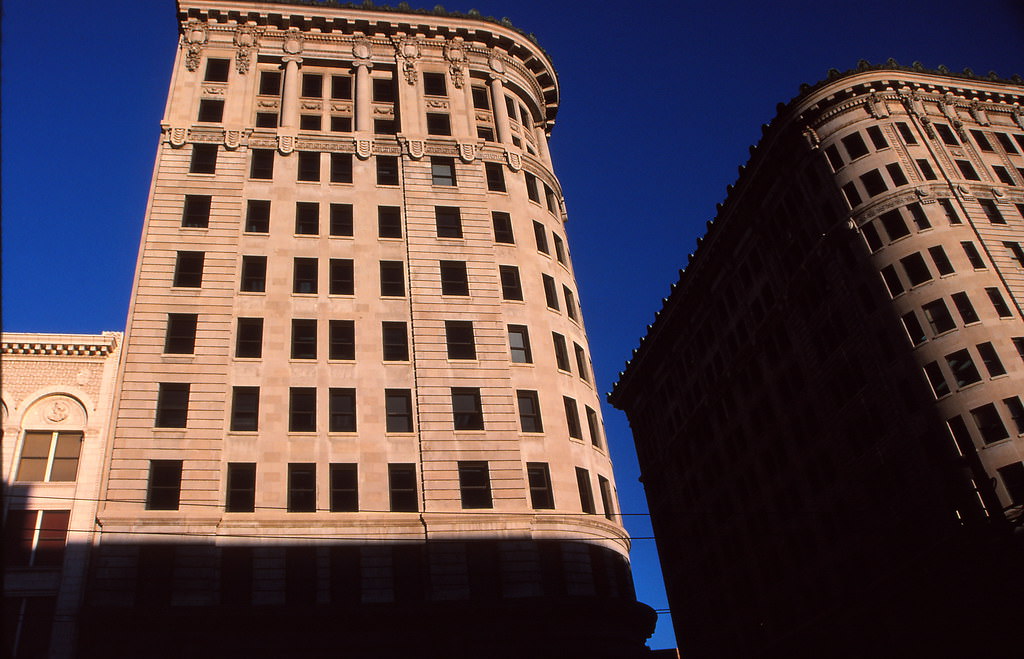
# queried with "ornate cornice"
point(57, 347)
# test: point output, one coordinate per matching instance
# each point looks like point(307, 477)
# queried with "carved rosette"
point(408, 53)
point(364, 148)
point(232, 138)
point(999, 194)
point(515, 161)
point(455, 53)
point(246, 40)
point(194, 36)
point(285, 144)
point(415, 148)
point(467, 152)
point(178, 136)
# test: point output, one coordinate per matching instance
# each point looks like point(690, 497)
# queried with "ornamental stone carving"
point(979, 114)
point(246, 39)
point(467, 152)
point(416, 149)
point(1018, 116)
point(56, 410)
point(178, 136)
point(515, 161)
point(232, 138)
point(194, 36)
point(364, 148)
point(455, 53)
point(408, 52)
point(497, 66)
point(362, 50)
point(293, 42)
point(876, 106)
point(285, 144)
point(812, 138)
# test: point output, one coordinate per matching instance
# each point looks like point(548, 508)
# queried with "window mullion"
point(50, 456)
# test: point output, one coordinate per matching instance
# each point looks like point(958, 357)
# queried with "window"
point(559, 249)
point(50, 457)
point(164, 491)
point(531, 187)
point(438, 123)
point(877, 138)
point(966, 309)
point(383, 90)
point(916, 269)
point(990, 358)
point(1003, 175)
point(341, 124)
point(855, 146)
point(992, 211)
point(254, 274)
point(245, 408)
point(342, 279)
point(1016, 250)
point(529, 411)
point(434, 84)
point(211, 111)
point(989, 423)
point(34, 538)
point(181, 333)
point(395, 339)
point(550, 292)
point(586, 493)
point(519, 344)
point(570, 303)
point(257, 216)
point(249, 338)
point(188, 269)
point(894, 225)
point(312, 85)
point(302, 409)
point(967, 170)
point(963, 368)
point(241, 486)
point(935, 378)
point(266, 120)
point(467, 412)
point(605, 487)
point(387, 170)
point(307, 218)
point(871, 237)
point(342, 410)
point(309, 122)
point(852, 196)
point(951, 214)
point(539, 478)
point(442, 171)
point(998, 303)
point(448, 221)
point(389, 222)
point(172, 405)
point(973, 256)
point(1006, 142)
point(196, 213)
point(309, 166)
point(303, 338)
point(204, 159)
point(304, 279)
point(341, 168)
point(270, 83)
point(216, 69)
point(892, 280)
point(947, 134)
point(906, 133)
point(301, 487)
point(481, 99)
point(342, 339)
point(341, 88)
point(919, 217)
point(392, 279)
point(1018, 343)
point(541, 237)
point(385, 127)
point(926, 169)
point(561, 352)
point(1016, 409)
point(502, 228)
point(344, 487)
point(914, 329)
point(835, 160)
point(938, 316)
point(398, 406)
point(873, 183)
point(550, 200)
point(475, 484)
point(262, 164)
point(982, 141)
point(581, 362)
point(594, 426)
point(402, 487)
point(459, 337)
point(341, 219)
point(896, 174)
point(511, 288)
point(942, 263)
point(572, 418)
point(495, 176)
point(454, 279)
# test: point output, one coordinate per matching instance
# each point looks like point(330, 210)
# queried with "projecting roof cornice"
point(82, 345)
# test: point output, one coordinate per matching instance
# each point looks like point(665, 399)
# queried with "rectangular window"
point(967, 170)
point(1013, 474)
point(301, 487)
point(916, 269)
point(892, 280)
point(873, 183)
point(402, 488)
point(926, 169)
point(586, 493)
point(511, 287)
point(495, 176)
point(181, 333)
point(539, 477)
point(1016, 409)
point(852, 196)
point(387, 170)
point(341, 219)
point(383, 90)
point(581, 362)
point(935, 378)
point(33, 538)
point(541, 237)
point(398, 406)
point(605, 488)
point(309, 166)
point(389, 222)
point(942, 263)
point(550, 292)
point(392, 279)
point(467, 411)
point(1016, 251)
point(1018, 343)
point(395, 339)
point(341, 168)
point(245, 409)
point(946, 134)
point(188, 269)
point(529, 411)
point(164, 491)
point(914, 329)
point(217, 69)
point(1003, 175)
point(594, 426)
point(310, 122)
point(531, 187)
point(1006, 142)
point(572, 418)
point(550, 200)
point(342, 278)
point(270, 83)
point(262, 164)
point(998, 303)
point(973, 255)
point(570, 303)
point(266, 120)
point(877, 138)
point(992, 211)
point(434, 84)
point(950, 211)
point(307, 218)
point(835, 160)
point(249, 338)
point(344, 487)
point(937, 314)
point(475, 484)
point(341, 124)
point(442, 171)
point(304, 280)
point(906, 133)
point(561, 352)
point(172, 405)
point(448, 220)
point(342, 339)
point(559, 249)
point(982, 141)
point(896, 174)
point(990, 358)
point(312, 85)
point(196, 212)
point(502, 228)
point(385, 127)
point(341, 88)
point(481, 98)
point(855, 146)
point(962, 367)
point(302, 409)
point(519, 344)
point(438, 123)
point(50, 457)
point(303, 338)
point(990, 425)
point(966, 309)
point(204, 159)
point(257, 216)
point(454, 279)
point(894, 225)
point(459, 337)
point(241, 486)
point(919, 217)
point(211, 111)
point(342, 410)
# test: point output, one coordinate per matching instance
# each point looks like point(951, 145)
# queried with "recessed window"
point(257, 216)
point(385, 127)
point(990, 358)
point(342, 277)
point(989, 423)
point(459, 339)
point(342, 339)
point(1018, 343)
point(301, 487)
point(896, 174)
point(383, 90)
point(389, 222)
point(982, 141)
point(998, 303)
point(312, 85)
point(926, 169)
point(217, 69)
point(871, 237)
point(304, 338)
point(570, 303)
point(1013, 474)
point(467, 411)
point(529, 411)
point(434, 84)
point(894, 224)
point(344, 487)
point(892, 280)
point(180, 338)
point(1016, 251)
point(454, 279)
point(309, 122)
point(188, 269)
point(402, 488)
point(204, 159)
point(302, 409)
point(50, 457)
point(531, 187)
point(873, 183)
point(950, 211)
point(967, 170)
point(605, 488)
point(438, 123)
point(852, 196)
point(342, 409)
point(262, 164)
point(309, 166)
point(211, 110)
point(245, 408)
point(241, 488)
point(495, 174)
point(392, 279)
point(539, 478)
point(973, 255)
point(877, 138)
point(550, 200)
point(511, 287)
point(561, 352)
point(341, 168)
point(164, 490)
point(519, 343)
point(196, 211)
point(449, 221)
point(341, 219)
point(502, 228)
point(936, 379)
point(475, 484)
point(916, 269)
point(1016, 409)
point(341, 124)
point(937, 315)
point(906, 133)
point(33, 538)
point(942, 263)
point(581, 362)
point(1006, 142)
point(270, 83)
point(947, 135)
point(550, 292)
point(541, 237)
point(442, 171)
point(572, 418)
point(481, 98)
point(395, 339)
point(398, 410)
point(341, 88)
point(835, 160)
point(992, 211)
point(485, 133)
point(966, 309)
point(1003, 175)
point(855, 146)
point(172, 405)
point(387, 170)
point(307, 218)
point(586, 492)
point(249, 338)
point(962, 367)
point(304, 279)
point(914, 329)
point(559, 250)
point(254, 274)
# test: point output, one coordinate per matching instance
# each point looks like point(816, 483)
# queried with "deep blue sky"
point(660, 101)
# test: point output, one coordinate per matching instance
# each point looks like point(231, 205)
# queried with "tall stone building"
point(356, 409)
point(828, 407)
